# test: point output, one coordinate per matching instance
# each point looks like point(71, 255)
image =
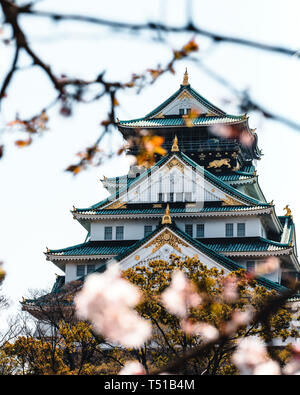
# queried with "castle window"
point(90, 269)
point(160, 197)
point(200, 230)
point(80, 270)
point(147, 230)
point(229, 230)
point(181, 111)
point(241, 230)
point(189, 229)
point(188, 110)
point(119, 232)
point(108, 233)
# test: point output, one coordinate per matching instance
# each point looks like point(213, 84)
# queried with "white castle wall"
point(134, 229)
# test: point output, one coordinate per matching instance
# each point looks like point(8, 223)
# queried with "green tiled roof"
point(149, 121)
point(216, 245)
point(158, 122)
point(254, 244)
point(92, 248)
point(160, 211)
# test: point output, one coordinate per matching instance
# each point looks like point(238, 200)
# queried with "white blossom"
point(203, 329)
point(269, 368)
point(269, 266)
point(134, 368)
point(107, 301)
point(250, 353)
point(180, 295)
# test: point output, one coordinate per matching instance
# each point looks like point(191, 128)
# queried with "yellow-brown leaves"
point(189, 47)
point(87, 157)
point(35, 125)
point(23, 143)
point(150, 146)
point(75, 169)
point(2, 273)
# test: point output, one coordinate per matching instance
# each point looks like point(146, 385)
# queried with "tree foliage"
point(72, 347)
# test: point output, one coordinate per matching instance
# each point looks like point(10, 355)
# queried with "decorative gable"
point(185, 101)
point(162, 245)
point(173, 181)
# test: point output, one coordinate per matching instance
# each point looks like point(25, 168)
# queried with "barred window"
point(189, 229)
point(241, 229)
point(200, 230)
point(90, 269)
point(80, 270)
point(229, 230)
point(119, 232)
point(108, 233)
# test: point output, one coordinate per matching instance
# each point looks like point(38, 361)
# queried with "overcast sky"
point(37, 195)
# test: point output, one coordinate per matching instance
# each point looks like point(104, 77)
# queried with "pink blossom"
point(230, 289)
point(270, 265)
point(180, 295)
point(269, 368)
point(239, 318)
point(134, 368)
point(107, 301)
point(250, 353)
point(203, 329)
point(293, 366)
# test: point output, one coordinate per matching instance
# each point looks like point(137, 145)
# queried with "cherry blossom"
point(270, 368)
point(269, 266)
point(250, 353)
point(230, 289)
point(203, 329)
point(107, 301)
point(293, 366)
point(180, 295)
point(239, 318)
point(134, 368)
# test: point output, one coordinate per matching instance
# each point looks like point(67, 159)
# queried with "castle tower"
point(202, 199)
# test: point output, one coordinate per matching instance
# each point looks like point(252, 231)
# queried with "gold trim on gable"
point(116, 204)
point(159, 115)
point(166, 237)
point(229, 201)
point(175, 163)
point(184, 95)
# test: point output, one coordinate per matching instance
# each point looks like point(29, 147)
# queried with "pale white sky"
point(36, 193)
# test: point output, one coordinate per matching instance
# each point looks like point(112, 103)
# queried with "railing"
point(199, 146)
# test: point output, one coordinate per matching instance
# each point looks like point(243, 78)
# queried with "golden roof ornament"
point(185, 81)
point(288, 211)
point(175, 147)
point(166, 219)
